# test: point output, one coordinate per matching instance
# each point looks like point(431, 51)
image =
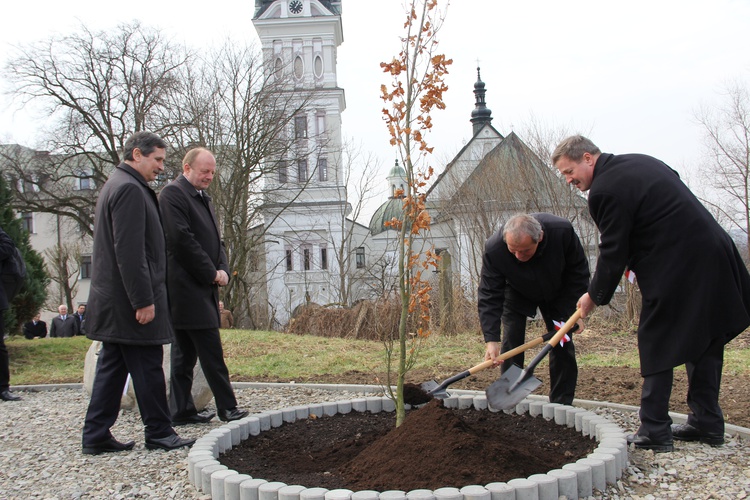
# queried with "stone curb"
point(598, 469)
point(679, 418)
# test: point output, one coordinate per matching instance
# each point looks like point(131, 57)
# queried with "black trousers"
point(144, 363)
point(188, 347)
point(704, 382)
point(563, 368)
point(4, 359)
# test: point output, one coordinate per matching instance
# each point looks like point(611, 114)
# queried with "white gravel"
point(40, 454)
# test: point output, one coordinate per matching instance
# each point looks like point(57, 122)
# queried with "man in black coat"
point(533, 261)
point(63, 325)
point(7, 248)
point(197, 267)
point(695, 287)
point(129, 311)
point(35, 329)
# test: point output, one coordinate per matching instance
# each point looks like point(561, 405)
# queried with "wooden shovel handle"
point(506, 355)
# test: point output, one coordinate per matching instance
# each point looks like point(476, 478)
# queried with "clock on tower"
point(295, 6)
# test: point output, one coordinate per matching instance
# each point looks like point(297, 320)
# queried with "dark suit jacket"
point(30, 330)
point(129, 264)
point(195, 252)
point(694, 284)
point(60, 328)
point(553, 279)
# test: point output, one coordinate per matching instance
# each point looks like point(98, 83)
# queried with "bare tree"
point(96, 88)
point(726, 130)
point(63, 265)
point(360, 171)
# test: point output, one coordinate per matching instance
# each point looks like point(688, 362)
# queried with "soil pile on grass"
point(433, 448)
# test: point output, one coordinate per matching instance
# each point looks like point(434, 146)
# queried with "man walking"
point(695, 287)
point(533, 261)
point(197, 268)
point(129, 310)
point(63, 325)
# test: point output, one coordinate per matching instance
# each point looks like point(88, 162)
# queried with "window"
point(283, 172)
point(85, 267)
point(84, 181)
point(302, 171)
point(27, 221)
point(306, 258)
point(289, 266)
point(300, 127)
point(360, 258)
point(324, 258)
point(320, 124)
point(323, 169)
point(28, 184)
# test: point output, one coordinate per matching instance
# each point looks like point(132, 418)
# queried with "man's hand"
point(585, 304)
point(492, 352)
point(222, 278)
point(146, 314)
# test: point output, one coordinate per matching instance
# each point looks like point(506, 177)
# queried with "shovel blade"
point(506, 392)
point(433, 389)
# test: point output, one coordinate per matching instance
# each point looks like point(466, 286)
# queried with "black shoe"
point(111, 445)
point(197, 418)
point(6, 395)
point(645, 443)
point(232, 414)
point(168, 443)
point(686, 432)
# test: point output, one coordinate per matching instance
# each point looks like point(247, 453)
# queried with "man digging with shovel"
point(534, 261)
point(695, 287)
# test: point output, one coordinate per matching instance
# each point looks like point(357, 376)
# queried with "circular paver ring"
point(603, 466)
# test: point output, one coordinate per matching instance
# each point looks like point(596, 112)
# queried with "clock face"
point(295, 6)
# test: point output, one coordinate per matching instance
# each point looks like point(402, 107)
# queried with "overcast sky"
point(630, 75)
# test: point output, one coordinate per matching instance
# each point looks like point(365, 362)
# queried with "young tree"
point(34, 290)
point(416, 88)
point(726, 130)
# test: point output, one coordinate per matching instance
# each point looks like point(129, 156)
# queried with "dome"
point(393, 208)
point(397, 171)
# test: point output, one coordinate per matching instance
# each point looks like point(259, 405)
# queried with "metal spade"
point(515, 384)
point(436, 390)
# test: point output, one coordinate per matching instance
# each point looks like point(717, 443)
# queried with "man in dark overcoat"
point(129, 311)
point(533, 261)
point(197, 267)
point(7, 248)
point(695, 287)
point(64, 324)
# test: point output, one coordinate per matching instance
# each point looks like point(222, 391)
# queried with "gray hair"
point(523, 224)
point(574, 148)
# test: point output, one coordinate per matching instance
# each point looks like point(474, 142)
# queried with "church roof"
point(391, 209)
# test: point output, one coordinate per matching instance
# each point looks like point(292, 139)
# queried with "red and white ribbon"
point(558, 325)
point(630, 275)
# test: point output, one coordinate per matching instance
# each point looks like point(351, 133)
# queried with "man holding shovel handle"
point(695, 287)
point(533, 261)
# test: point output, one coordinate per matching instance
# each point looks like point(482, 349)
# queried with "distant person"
point(227, 320)
point(35, 329)
point(197, 267)
point(533, 261)
point(7, 248)
point(128, 305)
point(80, 317)
point(63, 325)
point(694, 285)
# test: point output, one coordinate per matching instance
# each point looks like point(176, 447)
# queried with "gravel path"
point(40, 454)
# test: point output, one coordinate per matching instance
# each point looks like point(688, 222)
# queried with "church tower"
point(305, 203)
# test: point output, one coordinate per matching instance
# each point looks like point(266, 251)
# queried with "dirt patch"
point(616, 384)
point(435, 447)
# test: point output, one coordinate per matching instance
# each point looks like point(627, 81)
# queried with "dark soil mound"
point(435, 447)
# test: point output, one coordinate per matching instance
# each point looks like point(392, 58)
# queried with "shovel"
point(436, 390)
point(516, 384)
